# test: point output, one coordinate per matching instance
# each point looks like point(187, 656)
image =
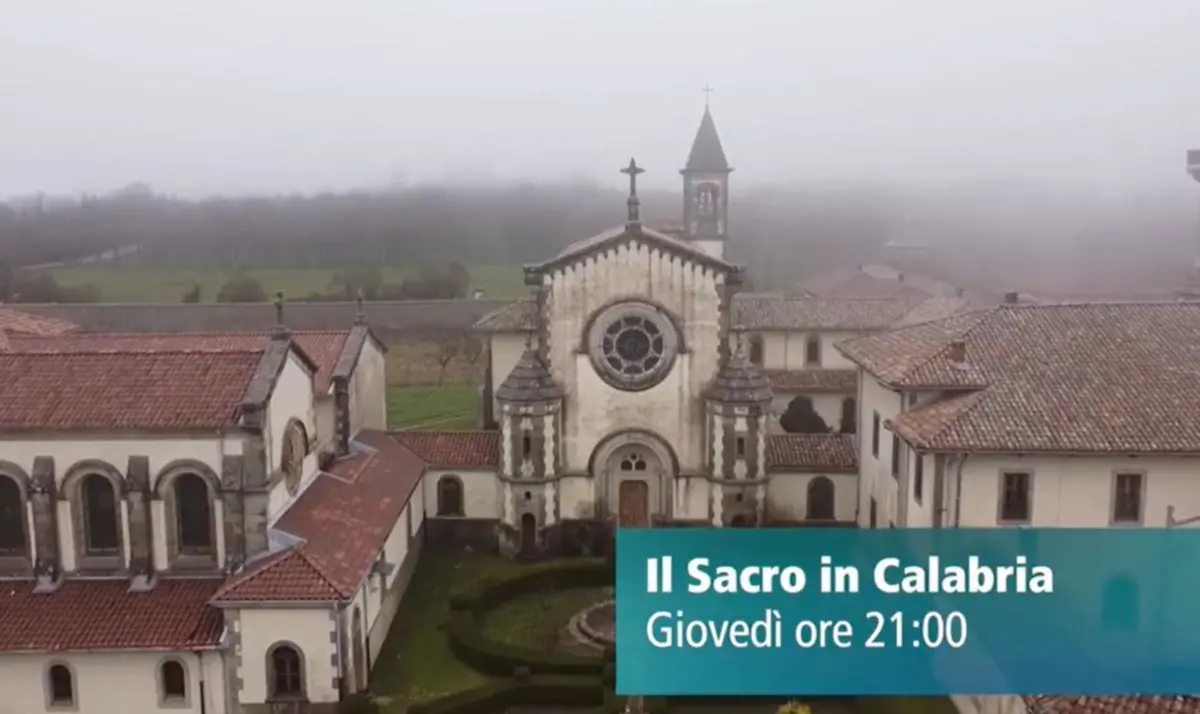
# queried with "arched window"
point(12, 518)
point(101, 516)
point(61, 686)
point(193, 514)
point(172, 682)
point(1120, 606)
point(819, 506)
point(286, 674)
point(449, 496)
point(849, 416)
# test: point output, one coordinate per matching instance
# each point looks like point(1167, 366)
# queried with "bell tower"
point(706, 188)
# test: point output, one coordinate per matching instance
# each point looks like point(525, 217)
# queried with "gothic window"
point(819, 504)
point(286, 675)
point(632, 346)
point(172, 682)
point(61, 686)
point(193, 514)
point(101, 516)
point(12, 518)
point(633, 462)
point(449, 496)
point(291, 460)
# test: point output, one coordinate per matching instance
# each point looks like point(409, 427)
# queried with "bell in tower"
point(706, 189)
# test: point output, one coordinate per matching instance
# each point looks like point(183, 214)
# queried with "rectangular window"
point(812, 351)
point(895, 456)
point(1015, 497)
point(875, 435)
point(919, 478)
point(1127, 498)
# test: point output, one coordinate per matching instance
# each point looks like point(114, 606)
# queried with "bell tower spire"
point(706, 187)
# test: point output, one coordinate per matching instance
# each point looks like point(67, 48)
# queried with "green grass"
point(165, 284)
point(538, 621)
point(415, 662)
point(448, 407)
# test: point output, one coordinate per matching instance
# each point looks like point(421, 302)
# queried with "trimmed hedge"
point(581, 692)
point(489, 656)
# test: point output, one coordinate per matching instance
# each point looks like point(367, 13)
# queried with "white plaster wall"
point(368, 390)
point(785, 349)
point(828, 406)
point(506, 349)
point(875, 474)
point(307, 629)
point(1075, 491)
point(480, 492)
point(292, 398)
point(787, 495)
point(692, 498)
point(674, 408)
point(577, 497)
point(104, 678)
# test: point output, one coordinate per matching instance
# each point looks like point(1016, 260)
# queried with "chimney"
point(958, 353)
point(1012, 298)
point(899, 277)
point(341, 411)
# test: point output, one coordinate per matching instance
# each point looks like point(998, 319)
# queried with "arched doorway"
point(528, 534)
point(634, 471)
point(819, 506)
point(360, 652)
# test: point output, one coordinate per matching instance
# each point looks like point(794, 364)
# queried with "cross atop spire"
point(632, 171)
point(708, 90)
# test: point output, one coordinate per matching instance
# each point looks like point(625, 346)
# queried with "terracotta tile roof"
point(812, 452)
point(153, 391)
point(103, 614)
point(324, 347)
point(16, 322)
point(813, 380)
point(1090, 378)
point(453, 449)
point(343, 519)
point(1132, 704)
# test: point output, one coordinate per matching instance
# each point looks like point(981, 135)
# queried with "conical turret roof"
point(529, 381)
point(707, 153)
point(740, 381)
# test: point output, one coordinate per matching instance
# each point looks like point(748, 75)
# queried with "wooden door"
point(634, 504)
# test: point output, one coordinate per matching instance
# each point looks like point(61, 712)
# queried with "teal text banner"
point(907, 611)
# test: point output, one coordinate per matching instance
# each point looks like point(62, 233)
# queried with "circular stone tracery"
point(632, 346)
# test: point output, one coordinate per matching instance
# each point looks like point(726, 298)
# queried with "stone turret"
point(737, 406)
point(530, 402)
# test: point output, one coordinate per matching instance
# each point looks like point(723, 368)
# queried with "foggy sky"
point(226, 96)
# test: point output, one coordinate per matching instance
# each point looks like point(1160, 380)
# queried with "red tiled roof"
point(16, 322)
point(1091, 378)
point(813, 380)
point(103, 614)
point(323, 347)
point(87, 391)
point(1132, 704)
point(812, 452)
point(344, 518)
point(453, 449)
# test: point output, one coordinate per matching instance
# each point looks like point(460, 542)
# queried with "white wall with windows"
point(95, 682)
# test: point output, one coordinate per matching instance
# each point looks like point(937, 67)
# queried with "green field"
point(156, 284)
point(448, 407)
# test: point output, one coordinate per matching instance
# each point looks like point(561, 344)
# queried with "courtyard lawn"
point(415, 663)
point(539, 621)
point(448, 407)
point(164, 284)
